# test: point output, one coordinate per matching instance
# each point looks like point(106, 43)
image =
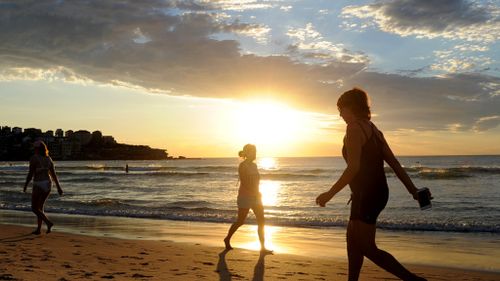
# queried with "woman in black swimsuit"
point(365, 150)
point(42, 172)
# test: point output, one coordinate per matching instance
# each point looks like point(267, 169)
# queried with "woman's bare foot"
point(228, 244)
point(49, 227)
point(266, 251)
point(36, 232)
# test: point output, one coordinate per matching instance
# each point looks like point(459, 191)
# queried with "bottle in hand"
point(424, 198)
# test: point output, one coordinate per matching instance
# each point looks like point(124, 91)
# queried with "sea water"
point(466, 191)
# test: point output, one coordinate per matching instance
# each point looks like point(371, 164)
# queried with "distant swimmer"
point(42, 171)
point(126, 168)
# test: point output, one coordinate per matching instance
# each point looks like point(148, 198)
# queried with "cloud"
point(310, 45)
point(450, 19)
point(259, 32)
point(461, 64)
point(240, 5)
point(486, 123)
point(168, 47)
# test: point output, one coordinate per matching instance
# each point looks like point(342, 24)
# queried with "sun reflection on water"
point(268, 163)
point(270, 191)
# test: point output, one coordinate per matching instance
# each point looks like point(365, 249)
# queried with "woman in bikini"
point(249, 196)
point(42, 172)
point(365, 150)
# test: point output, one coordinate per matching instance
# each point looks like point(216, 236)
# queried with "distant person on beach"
point(249, 196)
point(42, 172)
point(126, 168)
point(365, 150)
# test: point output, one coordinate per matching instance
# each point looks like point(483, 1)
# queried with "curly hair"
point(358, 101)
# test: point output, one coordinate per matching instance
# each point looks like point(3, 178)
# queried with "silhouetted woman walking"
point(365, 150)
point(42, 172)
point(249, 196)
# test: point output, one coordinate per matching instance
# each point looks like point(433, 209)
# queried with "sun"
point(268, 124)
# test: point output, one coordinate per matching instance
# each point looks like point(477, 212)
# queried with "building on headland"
point(82, 136)
point(16, 144)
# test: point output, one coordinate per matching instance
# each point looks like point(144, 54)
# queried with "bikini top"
point(43, 167)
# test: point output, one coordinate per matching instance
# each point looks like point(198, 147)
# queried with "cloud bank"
point(451, 19)
point(169, 46)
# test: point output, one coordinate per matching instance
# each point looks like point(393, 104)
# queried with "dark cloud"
point(99, 40)
point(432, 103)
point(486, 123)
point(431, 18)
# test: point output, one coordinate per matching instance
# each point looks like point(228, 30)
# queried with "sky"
point(203, 78)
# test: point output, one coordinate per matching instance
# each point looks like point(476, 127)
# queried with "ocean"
point(195, 200)
point(466, 191)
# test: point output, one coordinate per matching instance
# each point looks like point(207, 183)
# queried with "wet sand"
point(66, 256)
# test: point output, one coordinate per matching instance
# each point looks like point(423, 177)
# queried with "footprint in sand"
point(88, 274)
point(132, 257)
point(138, 275)
point(7, 277)
point(107, 277)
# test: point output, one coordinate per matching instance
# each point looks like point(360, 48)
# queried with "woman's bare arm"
point(31, 172)
point(354, 143)
point(398, 169)
point(53, 174)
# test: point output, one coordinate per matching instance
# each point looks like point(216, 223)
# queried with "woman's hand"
point(323, 198)
point(60, 191)
point(414, 193)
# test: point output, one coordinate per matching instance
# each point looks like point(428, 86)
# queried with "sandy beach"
point(69, 256)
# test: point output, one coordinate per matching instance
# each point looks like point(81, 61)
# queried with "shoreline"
point(444, 250)
point(65, 256)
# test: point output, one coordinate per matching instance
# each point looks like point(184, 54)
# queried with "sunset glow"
point(264, 73)
point(268, 124)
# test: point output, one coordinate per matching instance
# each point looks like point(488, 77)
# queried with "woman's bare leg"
point(365, 237)
point(354, 253)
point(259, 215)
point(242, 215)
point(37, 205)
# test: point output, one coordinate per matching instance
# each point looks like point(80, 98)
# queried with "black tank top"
point(370, 178)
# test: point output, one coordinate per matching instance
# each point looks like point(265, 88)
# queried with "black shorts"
point(367, 206)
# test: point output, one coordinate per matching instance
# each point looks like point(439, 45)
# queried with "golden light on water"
point(268, 163)
point(270, 191)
